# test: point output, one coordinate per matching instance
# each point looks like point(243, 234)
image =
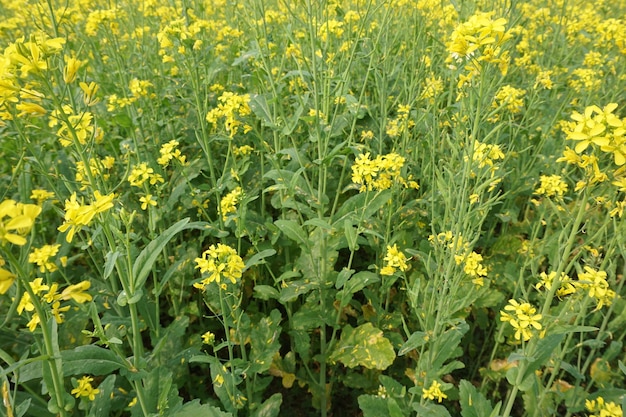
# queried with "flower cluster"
point(603, 408)
point(402, 122)
point(231, 108)
point(219, 261)
point(85, 389)
point(380, 173)
point(75, 127)
point(228, 204)
point(78, 215)
point(523, 319)
point(141, 173)
point(485, 154)
point(597, 287)
point(169, 152)
point(551, 185)
point(53, 298)
point(41, 257)
point(473, 267)
point(566, 285)
point(511, 98)
point(434, 392)
point(394, 260)
point(599, 128)
point(16, 220)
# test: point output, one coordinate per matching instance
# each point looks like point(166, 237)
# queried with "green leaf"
point(473, 403)
point(258, 105)
point(89, 359)
point(195, 409)
point(356, 283)
point(265, 292)
point(414, 341)
point(109, 263)
point(373, 406)
point(295, 289)
point(270, 407)
point(343, 276)
point(351, 234)
point(148, 256)
point(293, 231)
point(430, 410)
point(101, 406)
point(363, 346)
point(258, 258)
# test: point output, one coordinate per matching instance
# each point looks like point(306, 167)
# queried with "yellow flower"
point(394, 259)
point(6, 280)
point(41, 257)
point(77, 292)
point(228, 204)
point(523, 319)
point(85, 389)
point(16, 220)
point(208, 338)
point(219, 262)
point(434, 392)
point(147, 200)
point(551, 185)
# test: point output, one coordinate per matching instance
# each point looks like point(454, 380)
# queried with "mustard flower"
point(523, 319)
point(78, 215)
point(41, 195)
point(77, 292)
point(472, 266)
point(85, 389)
point(208, 338)
point(228, 204)
point(219, 262)
point(596, 285)
point(6, 280)
point(566, 286)
point(551, 185)
point(16, 220)
point(41, 257)
point(603, 408)
point(394, 259)
point(168, 152)
point(509, 97)
point(377, 174)
point(434, 392)
point(146, 201)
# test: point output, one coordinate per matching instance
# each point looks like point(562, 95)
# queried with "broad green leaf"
point(265, 292)
point(109, 263)
point(417, 339)
point(259, 257)
point(355, 284)
point(293, 231)
point(148, 256)
point(342, 277)
point(264, 342)
point(473, 403)
point(89, 359)
point(430, 410)
point(101, 406)
point(363, 346)
point(351, 235)
point(295, 289)
point(195, 409)
point(260, 108)
point(373, 406)
point(270, 407)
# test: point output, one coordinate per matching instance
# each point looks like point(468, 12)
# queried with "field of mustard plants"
point(263, 208)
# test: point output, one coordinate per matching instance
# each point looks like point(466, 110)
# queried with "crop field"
point(266, 208)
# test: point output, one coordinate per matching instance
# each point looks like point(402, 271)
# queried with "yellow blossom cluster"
point(380, 173)
point(228, 204)
point(473, 267)
point(566, 285)
point(41, 257)
point(51, 296)
point(599, 128)
point(141, 173)
point(219, 261)
point(603, 408)
point(169, 152)
point(434, 392)
point(551, 185)
point(401, 124)
point(522, 318)
point(231, 108)
point(78, 215)
point(75, 127)
point(394, 260)
point(597, 287)
point(511, 98)
point(97, 169)
point(16, 220)
point(85, 389)
point(479, 40)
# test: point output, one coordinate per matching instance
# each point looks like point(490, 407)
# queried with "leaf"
point(101, 406)
point(109, 263)
point(356, 283)
point(342, 277)
point(414, 341)
point(364, 202)
point(363, 346)
point(258, 258)
point(473, 403)
point(293, 231)
point(195, 409)
point(148, 256)
point(265, 292)
point(270, 407)
point(373, 406)
point(258, 105)
point(295, 289)
point(89, 359)
point(430, 410)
